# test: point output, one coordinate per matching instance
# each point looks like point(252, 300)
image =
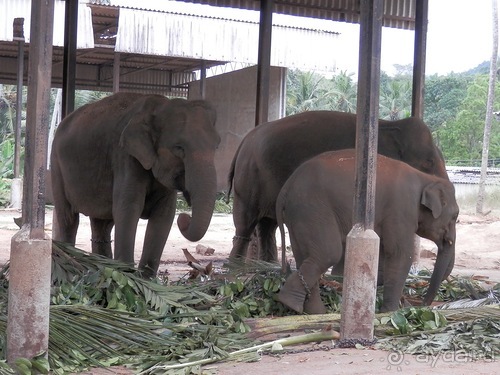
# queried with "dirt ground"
point(477, 253)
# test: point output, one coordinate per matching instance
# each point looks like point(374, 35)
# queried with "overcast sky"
point(459, 38)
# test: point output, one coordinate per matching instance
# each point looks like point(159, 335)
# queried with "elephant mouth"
point(187, 197)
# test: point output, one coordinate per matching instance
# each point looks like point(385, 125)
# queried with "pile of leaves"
point(476, 335)
point(104, 313)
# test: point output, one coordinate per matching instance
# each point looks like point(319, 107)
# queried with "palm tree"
point(395, 99)
point(306, 91)
point(343, 96)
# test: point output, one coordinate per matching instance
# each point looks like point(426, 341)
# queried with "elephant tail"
point(230, 176)
point(283, 249)
point(230, 181)
point(280, 214)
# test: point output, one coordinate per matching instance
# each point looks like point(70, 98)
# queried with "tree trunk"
point(489, 110)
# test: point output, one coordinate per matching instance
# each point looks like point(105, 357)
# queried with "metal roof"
point(471, 175)
point(397, 13)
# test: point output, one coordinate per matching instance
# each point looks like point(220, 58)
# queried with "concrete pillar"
point(29, 296)
point(360, 284)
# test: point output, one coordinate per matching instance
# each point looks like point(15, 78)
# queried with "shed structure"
point(371, 14)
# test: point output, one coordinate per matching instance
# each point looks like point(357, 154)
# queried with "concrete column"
point(29, 296)
point(360, 284)
point(361, 260)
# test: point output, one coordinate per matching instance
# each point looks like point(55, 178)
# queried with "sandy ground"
point(477, 253)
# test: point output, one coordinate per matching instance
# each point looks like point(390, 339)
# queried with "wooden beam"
point(69, 59)
point(264, 61)
point(421, 20)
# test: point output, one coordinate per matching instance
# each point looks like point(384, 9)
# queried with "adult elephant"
point(316, 206)
point(124, 158)
point(269, 154)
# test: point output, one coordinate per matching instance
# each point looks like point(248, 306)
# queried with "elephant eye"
point(178, 151)
point(429, 164)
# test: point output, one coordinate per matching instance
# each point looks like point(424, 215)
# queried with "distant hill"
point(483, 68)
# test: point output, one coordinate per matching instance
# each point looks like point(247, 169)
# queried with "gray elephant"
point(316, 205)
point(269, 154)
point(124, 158)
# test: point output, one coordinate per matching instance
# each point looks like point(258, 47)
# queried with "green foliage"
point(452, 289)
point(343, 93)
point(306, 91)
point(252, 296)
point(443, 97)
point(468, 340)
point(103, 313)
point(395, 97)
point(221, 207)
point(411, 319)
point(461, 138)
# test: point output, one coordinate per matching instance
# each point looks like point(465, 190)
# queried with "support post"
point(30, 257)
point(419, 57)
point(116, 72)
point(417, 105)
point(69, 60)
point(362, 247)
point(264, 61)
point(16, 190)
point(203, 79)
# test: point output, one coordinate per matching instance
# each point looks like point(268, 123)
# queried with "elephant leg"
point(267, 251)
point(301, 290)
point(315, 248)
point(314, 304)
point(397, 263)
point(157, 231)
point(101, 236)
point(240, 246)
point(338, 269)
point(245, 221)
point(67, 225)
point(126, 219)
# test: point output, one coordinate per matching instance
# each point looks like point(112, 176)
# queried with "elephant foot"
point(314, 304)
point(240, 245)
point(293, 294)
point(102, 247)
point(301, 291)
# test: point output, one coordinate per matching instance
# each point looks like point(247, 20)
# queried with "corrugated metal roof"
point(397, 13)
point(471, 175)
point(194, 36)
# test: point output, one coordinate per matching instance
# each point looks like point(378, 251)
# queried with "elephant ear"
point(137, 140)
point(432, 198)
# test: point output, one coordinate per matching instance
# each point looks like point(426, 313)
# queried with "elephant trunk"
point(444, 265)
point(201, 187)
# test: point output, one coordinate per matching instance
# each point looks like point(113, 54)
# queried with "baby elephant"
point(316, 204)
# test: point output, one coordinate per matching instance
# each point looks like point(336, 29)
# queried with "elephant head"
point(437, 222)
point(176, 139)
point(410, 140)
